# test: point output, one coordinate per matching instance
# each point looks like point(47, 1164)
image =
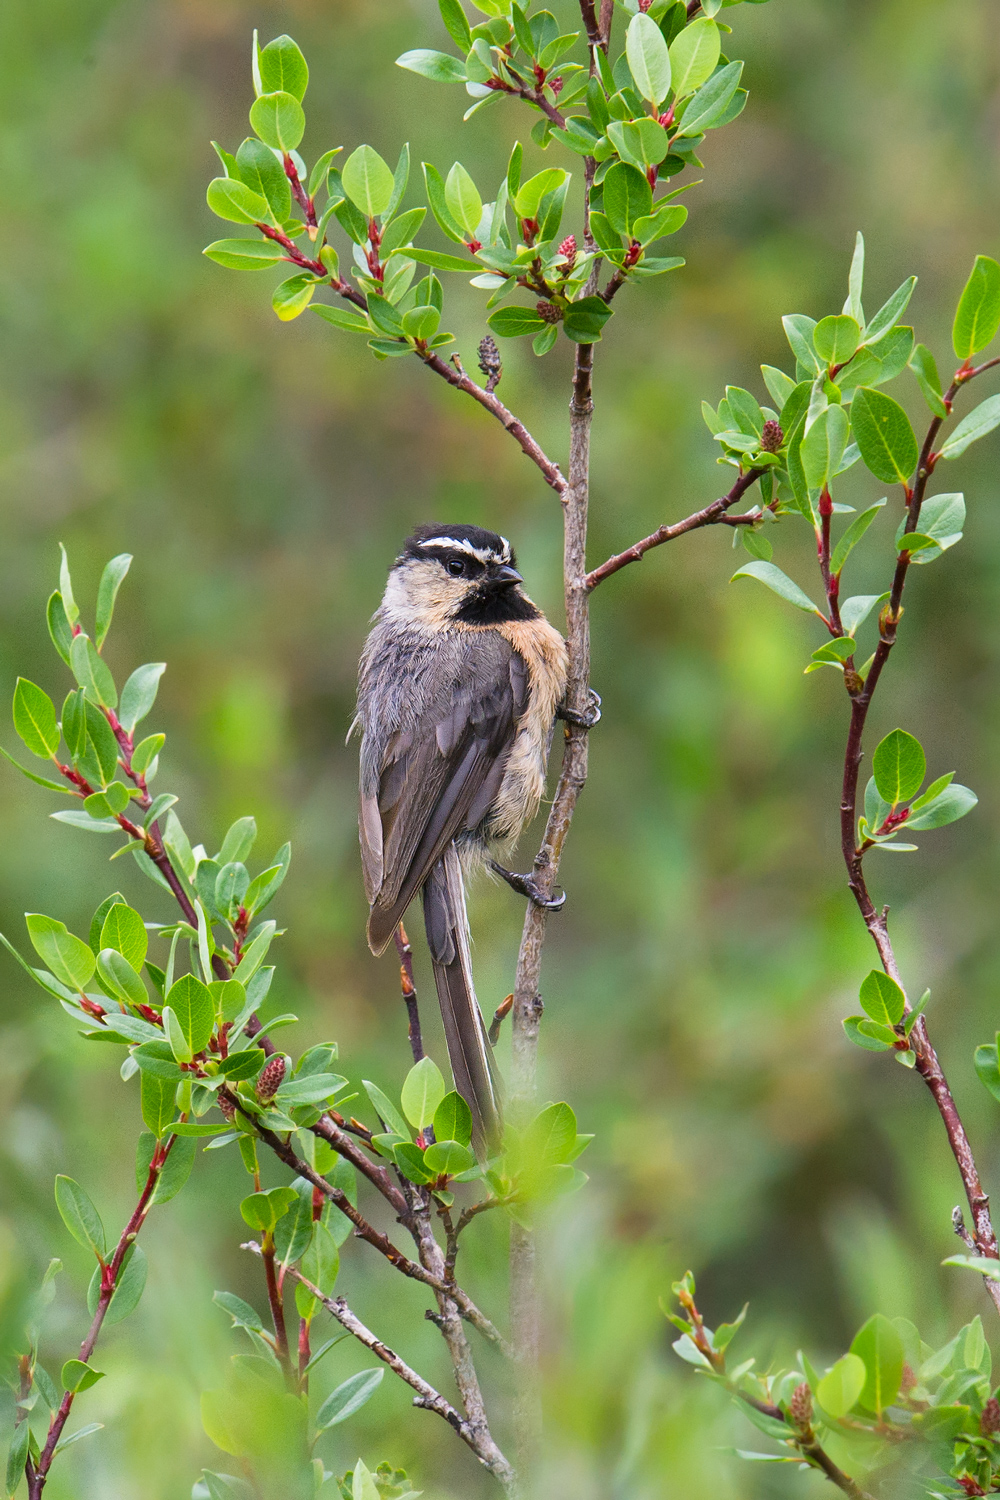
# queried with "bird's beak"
point(507, 576)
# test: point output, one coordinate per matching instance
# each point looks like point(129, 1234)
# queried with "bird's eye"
point(456, 568)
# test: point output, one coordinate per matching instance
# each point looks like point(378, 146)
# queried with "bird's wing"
point(440, 773)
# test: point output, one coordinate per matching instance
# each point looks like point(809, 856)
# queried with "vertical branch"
point(409, 991)
point(527, 1011)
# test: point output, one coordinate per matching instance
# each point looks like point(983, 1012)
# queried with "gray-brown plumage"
point(459, 682)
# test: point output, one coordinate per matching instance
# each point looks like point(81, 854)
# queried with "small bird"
point(460, 681)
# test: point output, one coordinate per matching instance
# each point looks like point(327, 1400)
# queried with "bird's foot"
point(526, 885)
point(590, 716)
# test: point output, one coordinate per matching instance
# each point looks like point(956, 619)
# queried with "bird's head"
point(457, 575)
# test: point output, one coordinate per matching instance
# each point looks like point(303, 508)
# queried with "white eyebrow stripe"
point(505, 555)
point(450, 544)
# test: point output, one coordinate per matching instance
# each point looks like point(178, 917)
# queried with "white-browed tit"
point(459, 684)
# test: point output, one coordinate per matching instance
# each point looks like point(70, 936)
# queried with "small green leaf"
point(139, 694)
point(191, 1003)
point(367, 180)
point(950, 805)
point(836, 339)
point(292, 296)
point(628, 197)
point(422, 1092)
point(583, 320)
point(709, 107)
point(977, 317)
point(823, 446)
point(899, 767)
point(60, 629)
point(882, 998)
point(884, 435)
point(987, 1071)
point(279, 120)
point(980, 421)
point(453, 1119)
point(649, 59)
point(107, 593)
point(447, 1158)
point(91, 672)
point(228, 198)
point(842, 1385)
point(778, 582)
point(123, 929)
point(157, 1102)
point(516, 322)
point(348, 1398)
point(35, 719)
point(857, 1028)
point(283, 69)
point(694, 54)
point(441, 67)
point(386, 1110)
point(80, 1216)
point(263, 1210)
point(924, 367)
point(119, 979)
point(69, 958)
point(880, 1348)
point(890, 313)
point(320, 1264)
point(852, 536)
point(78, 1376)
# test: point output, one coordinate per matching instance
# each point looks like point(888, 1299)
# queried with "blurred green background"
point(263, 476)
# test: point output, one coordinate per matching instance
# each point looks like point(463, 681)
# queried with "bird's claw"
point(526, 885)
point(590, 716)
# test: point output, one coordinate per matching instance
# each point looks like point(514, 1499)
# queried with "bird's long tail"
point(468, 1046)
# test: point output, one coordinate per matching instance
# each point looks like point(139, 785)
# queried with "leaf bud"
point(489, 360)
point(771, 437)
point(270, 1078)
point(800, 1407)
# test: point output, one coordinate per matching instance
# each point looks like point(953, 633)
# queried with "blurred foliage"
point(263, 476)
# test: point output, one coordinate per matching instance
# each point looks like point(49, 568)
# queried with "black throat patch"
point(490, 604)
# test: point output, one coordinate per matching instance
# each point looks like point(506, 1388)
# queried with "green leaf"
point(119, 979)
point(255, 954)
point(283, 69)
point(877, 364)
point(175, 1171)
point(107, 593)
point(69, 958)
point(348, 1398)
point(278, 119)
point(294, 1230)
point(550, 1139)
point(899, 767)
point(981, 420)
point(123, 930)
point(880, 1348)
point(694, 54)
point(516, 322)
point(977, 317)
point(924, 367)
point(985, 1265)
point(854, 611)
point(320, 1264)
point(858, 1032)
point(386, 1110)
point(463, 200)
point(80, 1216)
point(836, 339)
point(244, 255)
point(884, 435)
point(191, 1003)
point(453, 1119)
point(823, 446)
point(422, 1092)
point(367, 181)
point(708, 107)
point(890, 313)
point(242, 1314)
point(139, 694)
point(60, 629)
point(882, 998)
point(648, 58)
point(455, 23)
point(950, 805)
point(91, 672)
point(351, 322)
point(263, 1210)
point(79, 1376)
point(17, 1457)
point(842, 1385)
point(778, 582)
point(852, 536)
point(447, 1158)
point(439, 66)
point(53, 786)
point(856, 281)
point(628, 197)
point(584, 320)
point(35, 719)
point(987, 1071)
point(527, 201)
point(263, 174)
point(292, 297)
point(157, 1102)
point(228, 198)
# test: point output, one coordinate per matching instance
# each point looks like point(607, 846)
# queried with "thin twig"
point(707, 517)
point(927, 1062)
point(409, 991)
point(427, 1397)
point(456, 376)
